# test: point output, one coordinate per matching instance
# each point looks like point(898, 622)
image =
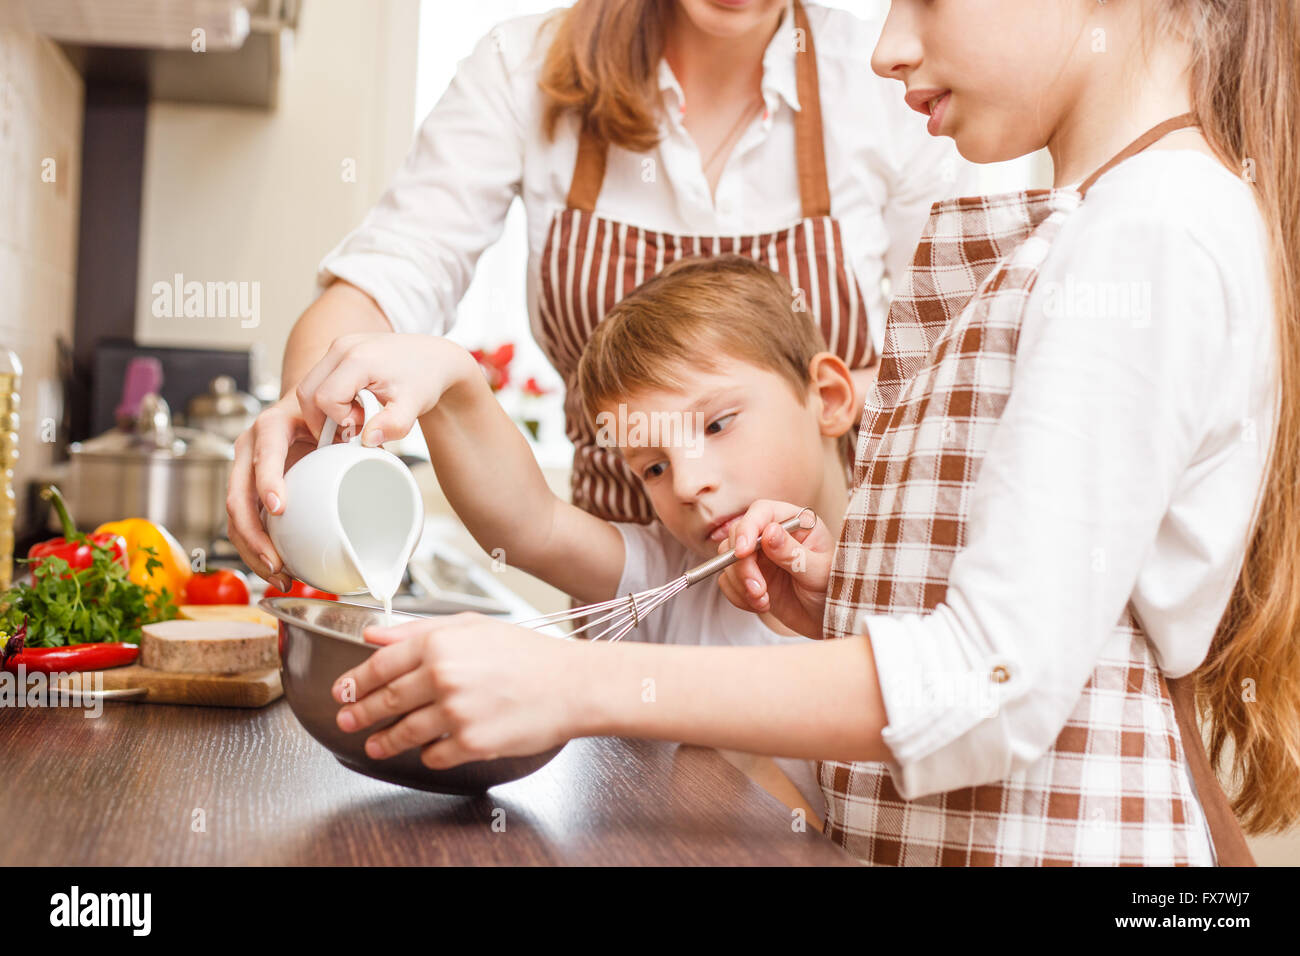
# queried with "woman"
point(636, 132)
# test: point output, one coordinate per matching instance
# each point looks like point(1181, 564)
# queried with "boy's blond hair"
point(695, 310)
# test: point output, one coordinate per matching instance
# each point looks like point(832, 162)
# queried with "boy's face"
point(725, 439)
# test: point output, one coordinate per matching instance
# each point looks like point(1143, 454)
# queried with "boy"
point(715, 392)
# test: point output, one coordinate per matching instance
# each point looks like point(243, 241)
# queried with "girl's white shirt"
point(483, 144)
point(1126, 467)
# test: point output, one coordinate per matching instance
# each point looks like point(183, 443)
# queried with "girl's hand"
point(471, 688)
point(788, 575)
point(409, 374)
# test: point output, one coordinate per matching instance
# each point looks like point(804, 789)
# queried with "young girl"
point(1079, 475)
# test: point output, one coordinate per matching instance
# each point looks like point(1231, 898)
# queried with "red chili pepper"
point(74, 547)
point(74, 657)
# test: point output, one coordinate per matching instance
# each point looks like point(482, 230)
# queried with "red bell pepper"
point(74, 657)
point(74, 547)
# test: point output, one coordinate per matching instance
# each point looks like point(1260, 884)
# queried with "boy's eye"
point(654, 471)
point(718, 424)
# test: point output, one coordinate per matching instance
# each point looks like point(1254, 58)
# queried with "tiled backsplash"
point(40, 168)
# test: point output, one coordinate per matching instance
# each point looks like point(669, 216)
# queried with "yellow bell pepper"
point(140, 534)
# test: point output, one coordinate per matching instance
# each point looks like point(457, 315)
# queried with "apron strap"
point(588, 171)
point(1138, 145)
point(809, 142)
point(810, 147)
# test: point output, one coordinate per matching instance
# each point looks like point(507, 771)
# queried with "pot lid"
point(154, 436)
point(223, 399)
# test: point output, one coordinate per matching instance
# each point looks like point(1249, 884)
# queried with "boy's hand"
point(471, 688)
point(788, 575)
point(409, 374)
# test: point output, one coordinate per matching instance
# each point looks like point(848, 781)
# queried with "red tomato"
point(217, 587)
point(298, 589)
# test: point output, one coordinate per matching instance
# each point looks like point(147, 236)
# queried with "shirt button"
point(1000, 674)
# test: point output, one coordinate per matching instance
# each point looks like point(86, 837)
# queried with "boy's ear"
point(830, 381)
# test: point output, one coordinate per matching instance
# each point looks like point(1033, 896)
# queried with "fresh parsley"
point(98, 604)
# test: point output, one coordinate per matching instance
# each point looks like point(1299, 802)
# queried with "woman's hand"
point(472, 688)
point(786, 573)
point(407, 373)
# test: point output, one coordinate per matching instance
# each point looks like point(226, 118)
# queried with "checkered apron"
point(1112, 789)
point(590, 262)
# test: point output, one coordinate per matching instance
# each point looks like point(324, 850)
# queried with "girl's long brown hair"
point(603, 64)
point(1245, 81)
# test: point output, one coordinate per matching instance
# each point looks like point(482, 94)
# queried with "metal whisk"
point(623, 614)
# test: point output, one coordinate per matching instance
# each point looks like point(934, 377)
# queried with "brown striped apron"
point(589, 263)
point(1109, 791)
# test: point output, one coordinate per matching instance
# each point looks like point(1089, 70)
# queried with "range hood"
point(226, 52)
point(143, 24)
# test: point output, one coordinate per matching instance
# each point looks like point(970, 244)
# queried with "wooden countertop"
point(133, 785)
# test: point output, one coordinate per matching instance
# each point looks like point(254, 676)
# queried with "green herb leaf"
point(97, 604)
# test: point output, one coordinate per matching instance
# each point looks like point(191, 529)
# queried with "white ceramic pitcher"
point(352, 515)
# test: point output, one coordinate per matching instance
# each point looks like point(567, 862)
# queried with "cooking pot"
point(172, 476)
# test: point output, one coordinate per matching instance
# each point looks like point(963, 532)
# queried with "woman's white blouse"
point(483, 144)
point(1125, 468)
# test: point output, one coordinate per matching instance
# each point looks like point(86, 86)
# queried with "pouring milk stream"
point(352, 516)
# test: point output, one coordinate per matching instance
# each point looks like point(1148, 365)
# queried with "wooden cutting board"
point(247, 689)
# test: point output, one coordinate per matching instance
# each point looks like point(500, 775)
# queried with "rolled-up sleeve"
point(415, 251)
point(1106, 415)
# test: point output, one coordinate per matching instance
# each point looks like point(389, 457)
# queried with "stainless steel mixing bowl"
point(319, 641)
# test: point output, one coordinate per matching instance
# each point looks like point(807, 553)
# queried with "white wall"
point(249, 196)
point(41, 99)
